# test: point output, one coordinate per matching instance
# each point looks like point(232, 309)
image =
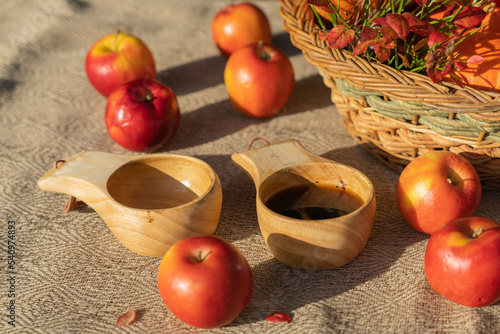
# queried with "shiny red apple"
point(205, 281)
point(238, 25)
point(437, 187)
point(142, 115)
point(117, 58)
point(259, 79)
point(462, 261)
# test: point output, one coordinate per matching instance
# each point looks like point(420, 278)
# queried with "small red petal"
point(126, 319)
point(278, 317)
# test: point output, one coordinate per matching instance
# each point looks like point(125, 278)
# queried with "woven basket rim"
point(299, 22)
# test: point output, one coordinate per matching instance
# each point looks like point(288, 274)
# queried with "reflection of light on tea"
point(313, 202)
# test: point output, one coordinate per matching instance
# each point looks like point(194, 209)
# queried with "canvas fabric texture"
point(71, 275)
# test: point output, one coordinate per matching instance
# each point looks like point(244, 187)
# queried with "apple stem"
point(202, 257)
point(478, 232)
point(262, 53)
point(450, 178)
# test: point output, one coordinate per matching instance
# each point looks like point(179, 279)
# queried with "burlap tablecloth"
point(71, 275)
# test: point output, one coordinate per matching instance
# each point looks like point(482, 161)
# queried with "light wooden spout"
point(83, 176)
point(260, 163)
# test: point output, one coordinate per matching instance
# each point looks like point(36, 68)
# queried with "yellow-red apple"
point(238, 25)
point(462, 261)
point(259, 79)
point(437, 187)
point(118, 58)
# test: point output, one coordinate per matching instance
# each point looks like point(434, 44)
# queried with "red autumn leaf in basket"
point(404, 59)
point(470, 17)
point(450, 10)
point(319, 2)
point(323, 35)
point(436, 37)
point(399, 24)
point(435, 75)
point(422, 2)
point(368, 34)
point(459, 65)
point(388, 33)
point(448, 68)
point(381, 21)
point(431, 60)
point(340, 36)
point(362, 46)
point(475, 60)
point(323, 5)
point(449, 71)
point(417, 25)
point(383, 53)
point(367, 38)
point(278, 317)
point(420, 44)
point(127, 318)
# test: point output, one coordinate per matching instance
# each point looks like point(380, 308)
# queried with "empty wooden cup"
point(149, 202)
point(313, 213)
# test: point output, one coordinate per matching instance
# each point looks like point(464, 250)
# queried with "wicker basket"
point(399, 115)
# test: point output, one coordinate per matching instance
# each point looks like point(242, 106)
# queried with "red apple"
point(437, 187)
point(142, 115)
point(259, 79)
point(238, 25)
point(205, 281)
point(462, 261)
point(116, 59)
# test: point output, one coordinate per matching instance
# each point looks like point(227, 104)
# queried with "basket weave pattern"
point(399, 115)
